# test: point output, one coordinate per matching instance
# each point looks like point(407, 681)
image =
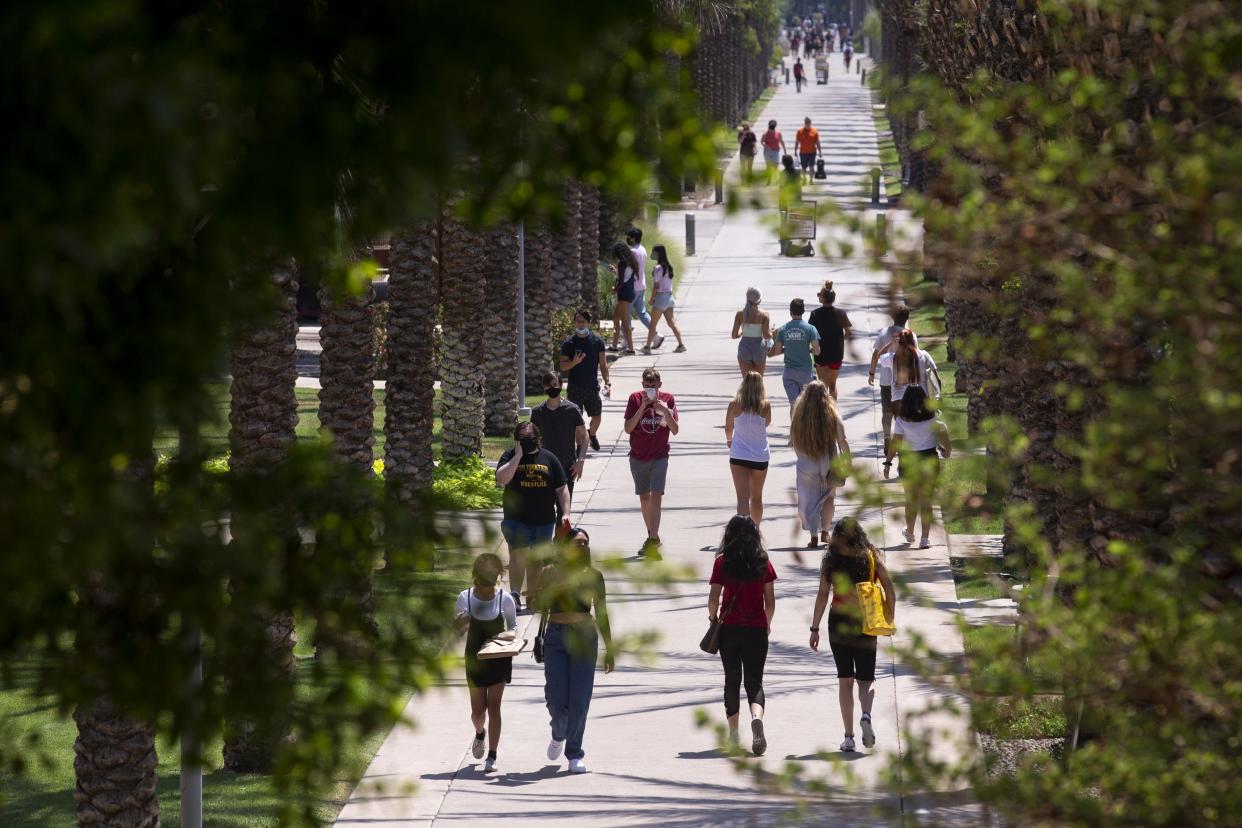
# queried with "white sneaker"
point(847, 746)
point(908, 534)
point(925, 543)
point(489, 765)
point(554, 748)
point(476, 748)
point(577, 766)
point(868, 732)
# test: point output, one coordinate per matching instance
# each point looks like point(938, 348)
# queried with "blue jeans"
point(569, 654)
point(638, 309)
point(795, 379)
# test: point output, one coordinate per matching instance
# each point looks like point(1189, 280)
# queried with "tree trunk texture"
point(566, 273)
point(613, 224)
point(114, 762)
point(589, 246)
point(263, 416)
point(538, 306)
point(463, 280)
point(500, 349)
point(409, 395)
point(347, 376)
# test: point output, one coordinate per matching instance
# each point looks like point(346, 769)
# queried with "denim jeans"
point(524, 535)
point(795, 379)
point(638, 309)
point(569, 654)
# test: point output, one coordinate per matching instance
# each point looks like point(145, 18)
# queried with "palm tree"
point(500, 349)
point(538, 305)
point(347, 375)
point(567, 267)
point(114, 762)
point(409, 395)
point(463, 283)
point(263, 418)
point(589, 245)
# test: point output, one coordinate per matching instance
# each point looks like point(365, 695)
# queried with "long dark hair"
point(625, 258)
point(744, 556)
point(914, 407)
point(854, 539)
point(661, 257)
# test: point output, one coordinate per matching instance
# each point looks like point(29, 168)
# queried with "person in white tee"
point(883, 345)
point(921, 439)
point(483, 612)
point(634, 238)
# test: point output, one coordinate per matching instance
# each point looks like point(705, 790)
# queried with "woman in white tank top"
point(754, 327)
point(746, 432)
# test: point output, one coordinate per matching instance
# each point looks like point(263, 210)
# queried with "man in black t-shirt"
point(563, 431)
point(534, 489)
point(584, 359)
point(834, 328)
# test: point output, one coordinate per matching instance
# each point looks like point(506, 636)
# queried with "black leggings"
point(743, 652)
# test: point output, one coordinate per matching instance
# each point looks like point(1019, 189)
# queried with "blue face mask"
point(582, 331)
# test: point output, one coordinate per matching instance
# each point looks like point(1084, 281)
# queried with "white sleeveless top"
point(750, 438)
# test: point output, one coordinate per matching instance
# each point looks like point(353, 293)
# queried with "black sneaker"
point(651, 549)
point(594, 443)
point(759, 744)
point(517, 601)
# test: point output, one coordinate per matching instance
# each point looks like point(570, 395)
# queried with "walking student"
point(535, 487)
point(754, 327)
point(883, 341)
point(799, 74)
point(743, 599)
point(747, 141)
point(817, 436)
point(746, 432)
point(807, 141)
point(626, 270)
point(920, 438)
point(567, 592)
point(662, 304)
point(650, 419)
point(634, 239)
point(799, 342)
point(484, 612)
point(834, 328)
point(773, 149)
point(849, 560)
point(584, 359)
point(564, 432)
point(910, 366)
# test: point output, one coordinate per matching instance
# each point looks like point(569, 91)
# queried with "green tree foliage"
point(156, 157)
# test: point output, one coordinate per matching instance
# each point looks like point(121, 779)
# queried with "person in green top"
point(799, 341)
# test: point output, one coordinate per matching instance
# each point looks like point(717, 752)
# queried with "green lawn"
point(890, 161)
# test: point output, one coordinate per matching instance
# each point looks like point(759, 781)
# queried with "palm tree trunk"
point(538, 305)
point(463, 281)
point(263, 417)
point(114, 762)
point(567, 284)
point(500, 349)
point(409, 396)
point(589, 245)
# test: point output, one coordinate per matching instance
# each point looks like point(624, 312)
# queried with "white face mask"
point(582, 331)
point(650, 392)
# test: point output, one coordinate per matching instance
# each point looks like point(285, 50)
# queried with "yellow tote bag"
point(871, 599)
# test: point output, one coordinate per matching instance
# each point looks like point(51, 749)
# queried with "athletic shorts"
point(649, 475)
point(757, 465)
point(587, 399)
point(750, 349)
point(771, 156)
point(836, 366)
point(662, 302)
point(808, 160)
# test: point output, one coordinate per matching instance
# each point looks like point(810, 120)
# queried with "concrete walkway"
point(650, 764)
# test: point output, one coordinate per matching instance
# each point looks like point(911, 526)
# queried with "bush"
point(607, 298)
point(465, 484)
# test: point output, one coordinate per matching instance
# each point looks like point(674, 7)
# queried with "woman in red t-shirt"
point(744, 574)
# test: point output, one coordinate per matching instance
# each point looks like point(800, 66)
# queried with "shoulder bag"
point(871, 599)
point(537, 649)
point(711, 641)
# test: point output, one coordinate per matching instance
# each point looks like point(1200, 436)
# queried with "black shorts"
point(808, 159)
point(757, 465)
point(886, 397)
point(587, 399)
point(925, 461)
point(853, 652)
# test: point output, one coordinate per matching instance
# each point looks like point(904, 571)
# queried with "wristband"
point(814, 629)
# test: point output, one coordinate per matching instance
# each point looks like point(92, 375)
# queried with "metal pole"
point(689, 234)
point(523, 411)
point(720, 186)
point(864, 77)
point(881, 233)
point(191, 770)
point(875, 185)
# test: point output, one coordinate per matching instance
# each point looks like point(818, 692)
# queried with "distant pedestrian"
point(746, 433)
point(662, 304)
point(747, 144)
point(920, 438)
point(584, 360)
point(535, 487)
point(791, 183)
point(834, 328)
point(741, 584)
point(849, 560)
point(564, 432)
point(847, 51)
point(483, 612)
point(817, 436)
point(773, 148)
point(754, 327)
point(799, 342)
point(809, 148)
point(883, 341)
point(634, 240)
point(567, 591)
point(625, 268)
point(650, 419)
point(799, 74)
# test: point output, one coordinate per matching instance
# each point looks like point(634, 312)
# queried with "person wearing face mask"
point(584, 360)
point(650, 418)
point(535, 487)
point(564, 431)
